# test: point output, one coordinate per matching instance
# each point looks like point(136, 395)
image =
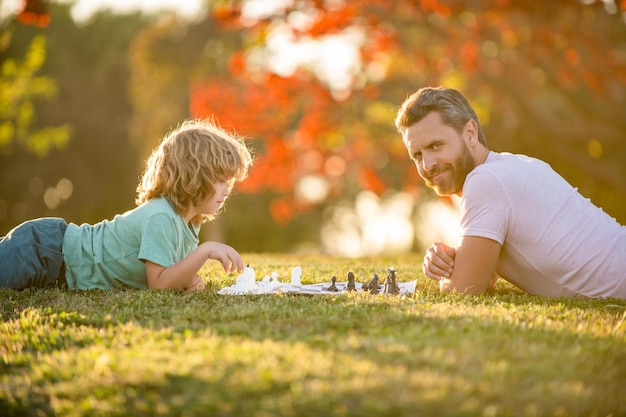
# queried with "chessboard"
point(317, 289)
point(247, 284)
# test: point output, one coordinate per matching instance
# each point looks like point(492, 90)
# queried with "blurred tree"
point(20, 87)
point(34, 12)
point(314, 85)
point(547, 78)
point(94, 176)
point(166, 59)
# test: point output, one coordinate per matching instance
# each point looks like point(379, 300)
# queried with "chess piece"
point(394, 280)
point(274, 282)
point(372, 286)
point(391, 286)
point(333, 287)
point(246, 282)
point(387, 289)
point(296, 274)
point(351, 286)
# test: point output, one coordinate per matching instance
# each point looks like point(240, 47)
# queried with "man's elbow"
point(447, 285)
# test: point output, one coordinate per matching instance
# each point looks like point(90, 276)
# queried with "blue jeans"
point(31, 255)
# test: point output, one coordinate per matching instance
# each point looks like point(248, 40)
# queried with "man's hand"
point(439, 261)
point(475, 261)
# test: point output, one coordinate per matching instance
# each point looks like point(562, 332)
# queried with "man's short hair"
point(452, 106)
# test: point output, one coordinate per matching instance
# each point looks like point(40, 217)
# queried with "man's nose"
point(428, 162)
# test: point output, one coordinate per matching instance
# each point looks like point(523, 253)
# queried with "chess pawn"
point(333, 287)
point(274, 279)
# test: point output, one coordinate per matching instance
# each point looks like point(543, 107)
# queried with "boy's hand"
point(439, 261)
point(196, 285)
point(229, 257)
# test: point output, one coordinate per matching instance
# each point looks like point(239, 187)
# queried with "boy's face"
point(213, 204)
point(441, 155)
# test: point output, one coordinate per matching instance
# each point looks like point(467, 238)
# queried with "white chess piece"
point(296, 274)
point(264, 285)
point(246, 282)
point(274, 282)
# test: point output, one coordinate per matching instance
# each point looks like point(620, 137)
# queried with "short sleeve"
point(159, 241)
point(485, 207)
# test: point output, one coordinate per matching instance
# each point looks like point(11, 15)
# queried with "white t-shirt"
point(554, 241)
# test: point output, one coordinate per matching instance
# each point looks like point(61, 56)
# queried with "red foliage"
point(332, 21)
point(370, 181)
point(488, 43)
point(237, 63)
point(282, 210)
point(227, 15)
point(35, 13)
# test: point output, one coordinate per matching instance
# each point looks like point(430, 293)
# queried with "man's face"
point(441, 155)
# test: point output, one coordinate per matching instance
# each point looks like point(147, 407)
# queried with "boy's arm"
point(182, 275)
point(474, 266)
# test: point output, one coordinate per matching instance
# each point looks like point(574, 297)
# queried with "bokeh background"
point(87, 93)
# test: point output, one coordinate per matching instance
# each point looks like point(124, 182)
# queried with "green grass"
point(142, 353)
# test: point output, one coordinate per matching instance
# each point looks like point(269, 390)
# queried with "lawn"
point(143, 353)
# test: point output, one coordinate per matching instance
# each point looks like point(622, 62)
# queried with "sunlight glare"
point(82, 10)
point(261, 9)
point(285, 54)
point(334, 59)
point(312, 189)
point(393, 224)
point(437, 221)
point(373, 226)
point(338, 61)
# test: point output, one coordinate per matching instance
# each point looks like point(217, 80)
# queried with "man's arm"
point(474, 266)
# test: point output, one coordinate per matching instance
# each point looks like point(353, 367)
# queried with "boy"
point(186, 181)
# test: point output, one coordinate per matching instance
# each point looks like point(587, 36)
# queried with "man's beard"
point(454, 176)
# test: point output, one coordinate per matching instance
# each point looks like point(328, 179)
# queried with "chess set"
point(247, 283)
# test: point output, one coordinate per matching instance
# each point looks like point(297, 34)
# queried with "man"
point(520, 220)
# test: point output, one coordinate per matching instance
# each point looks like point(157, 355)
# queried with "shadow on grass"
point(506, 354)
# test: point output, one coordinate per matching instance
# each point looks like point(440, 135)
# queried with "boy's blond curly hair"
point(189, 160)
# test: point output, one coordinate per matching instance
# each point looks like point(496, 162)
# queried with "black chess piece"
point(351, 286)
point(373, 286)
point(391, 286)
point(394, 280)
point(333, 287)
point(387, 288)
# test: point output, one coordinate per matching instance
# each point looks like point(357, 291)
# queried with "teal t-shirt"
point(110, 254)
